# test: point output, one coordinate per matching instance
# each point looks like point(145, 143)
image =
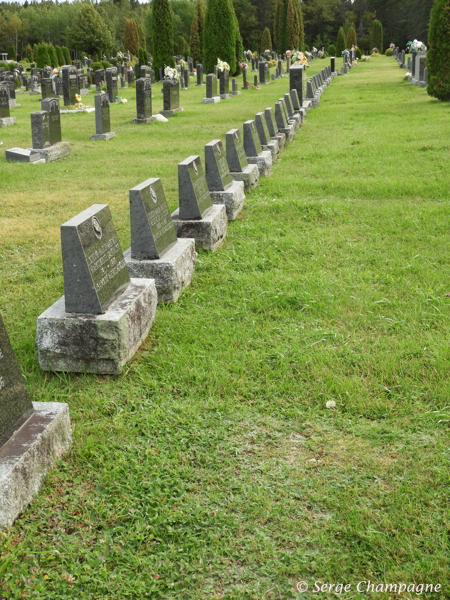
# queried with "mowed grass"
point(211, 468)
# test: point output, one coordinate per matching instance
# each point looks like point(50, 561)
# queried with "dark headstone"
point(4, 100)
point(211, 86)
point(199, 69)
point(252, 145)
point(245, 78)
point(46, 88)
point(94, 270)
point(186, 78)
point(224, 82)
point(296, 81)
point(152, 228)
point(262, 72)
point(143, 98)
point(236, 157)
point(111, 83)
point(102, 114)
point(195, 198)
point(171, 95)
point(218, 175)
point(40, 129)
point(69, 75)
point(15, 404)
point(51, 106)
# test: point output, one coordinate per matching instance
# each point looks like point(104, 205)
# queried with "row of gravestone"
point(415, 63)
point(110, 297)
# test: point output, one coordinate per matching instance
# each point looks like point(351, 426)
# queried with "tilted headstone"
point(236, 157)
point(94, 269)
point(295, 100)
point(271, 123)
point(15, 404)
point(289, 107)
point(195, 197)
point(51, 106)
point(217, 171)
point(262, 129)
point(252, 145)
point(152, 228)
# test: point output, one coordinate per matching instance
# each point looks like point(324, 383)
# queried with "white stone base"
point(103, 136)
point(225, 96)
point(28, 455)
point(172, 272)
point(281, 139)
point(54, 152)
point(288, 132)
point(7, 121)
point(82, 343)
point(273, 148)
point(69, 111)
point(264, 162)
point(170, 113)
point(212, 100)
point(249, 175)
point(233, 199)
point(208, 232)
point(236, 93)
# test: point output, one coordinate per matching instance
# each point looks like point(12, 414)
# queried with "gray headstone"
point(211, 86)
point(262, 72)
point(171, 95)
point(236, 157)
point(46, 88)
point(289, 107)
point(40, 129)
point(280, 116)
point(111, 83)
point(152, 228)
point(143, 98)
point(252, 145)
point(218, 175)
point(262, 129)
point(199, 69)
point(271, 123)
point(195, 198)
point(15, 404)
point(69, 76)
point(51, 106)
point(4, 100)
point(95, 272)
point(224, 82)
point(295, 100)
point(102, 114)
point(186, 78)
point(245, 78)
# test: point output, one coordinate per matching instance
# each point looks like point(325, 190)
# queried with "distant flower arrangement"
point(288, 53)
point(243, 65)
point(222, 65)
point(300, 58)
point(364, 58)
point(171, 74)
point(416, 46)
point(391, 45)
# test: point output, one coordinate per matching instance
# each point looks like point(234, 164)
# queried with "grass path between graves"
point(211, 468)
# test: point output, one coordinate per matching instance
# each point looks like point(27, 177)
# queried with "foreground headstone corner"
point(197, 217)
point(33, 436)
point(156, 252)
point(104, 316)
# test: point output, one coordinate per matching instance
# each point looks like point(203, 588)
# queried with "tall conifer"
point(162, 35)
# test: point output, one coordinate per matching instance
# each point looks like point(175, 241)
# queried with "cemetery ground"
point(212, 467)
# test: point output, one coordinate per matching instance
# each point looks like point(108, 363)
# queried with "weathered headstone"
point(40, 129)
point(245, 78)
point(211, 90)
point(171, 95)
point(111, 83)
point(236, 157)
point(102, 118)
point(199, 73)
point(143, 101)
point(51, 106)
point(234, 90)
point(46, 88)
point(255, 154)
point(5, 118)
point(224, 84)
point(69, 76)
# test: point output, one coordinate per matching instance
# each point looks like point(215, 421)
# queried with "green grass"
point(211, 468)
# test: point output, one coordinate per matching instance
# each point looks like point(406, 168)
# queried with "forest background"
point(32, 22)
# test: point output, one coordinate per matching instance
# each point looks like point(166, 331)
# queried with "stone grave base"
point(23, 155)
point(28, 455)
point(296, 121)
point(199, 84)
point(281, 139)
point(236, 93)
point(103, 136)
point(172, 272)
point(302, 112)
point(334, 74)
point(170, 113)
point(212, 100)
point(7, 121)
point(423, 84)
point(225, 96)
point(67, 111)
point(85, 343)
point(54, 152)
point(264, 82)
point(307, 105)
point(233, 199)
point(13, 104)
point(84, 92)
point(274, 150)
point(145, 121)
point(288, 132)
point(314, 102)
point(208, 232)
point(264, 162)
point(249, 175)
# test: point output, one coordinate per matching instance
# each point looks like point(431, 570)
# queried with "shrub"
point(59, 55)
point(351, 37)
point(97, 66)
point(332, 50)
point(358, 53)
point(340, 42)
point(52, 56)
point(105, 64)
point(439, 42)
point(266, 41)
point(389, 52)
point(113, 61)
point(66, 55)
point(306, 47)
point(376, 38)
point(42, 57)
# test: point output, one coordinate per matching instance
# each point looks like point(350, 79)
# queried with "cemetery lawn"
point(212, 468)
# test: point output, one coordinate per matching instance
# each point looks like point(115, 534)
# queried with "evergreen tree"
point(29, 53)
point(351, 37)
point(88, 32)
point(131, 39)
point(66, 54)
point(162, 35)
point(42, 57)
point(340, 42)
point(376, 37)
point(439, 51)
point(239, 46)
point(291, 26)
point(60, 56)
point(266, 41)
point(219, 34)
point(11, 53)
point(280, 29)
point(52, 56)
point(200, 10)
point(301, 29)
point(196, 49)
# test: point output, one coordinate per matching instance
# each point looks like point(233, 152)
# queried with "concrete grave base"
point(208, 232)
point(103, 136)
point(23, 155)
point(172, 272)
point(307, 105)
point(199, 84)
point(54, 152)
point(144, 121)
point(295, 124)
point(212, 100)
point(13, 104)
point(28, 455)
point(281, 139)
point(264, 162)
point(225, 96)
point(249, 175)
point(233, 199)
point(274, 150)
point(104, 343)
point(423, 84)
point(170, 113)
point(314, 102)
point(288, 133)
point(7, 121)
point(236, 93)
point(84, 92)
point(69, 111)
